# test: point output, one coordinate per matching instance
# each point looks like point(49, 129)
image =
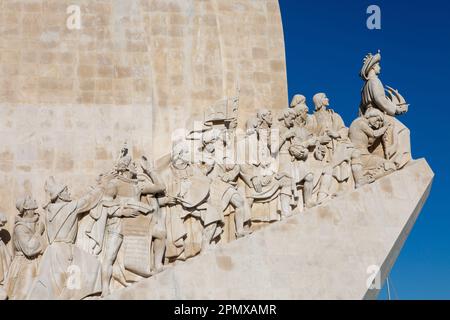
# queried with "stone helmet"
point(124, 163)
point(54, 188)
point(26, 203)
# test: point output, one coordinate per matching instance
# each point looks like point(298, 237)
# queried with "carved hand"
point(257, 184)
point(401, 109)
point(167, 201)
point(226, 177)
point(381, 131)
point(129, 213)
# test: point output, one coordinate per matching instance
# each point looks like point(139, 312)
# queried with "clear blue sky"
point(325, 43)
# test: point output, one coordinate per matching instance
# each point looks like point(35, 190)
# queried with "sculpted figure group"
point(220, 184)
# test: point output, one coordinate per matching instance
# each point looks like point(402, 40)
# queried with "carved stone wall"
point(136, 70)
point(331, 251)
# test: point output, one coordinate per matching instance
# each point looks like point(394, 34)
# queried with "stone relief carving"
point(5, 258)
point(221, 183)
point(397, 146)
point(29, 244)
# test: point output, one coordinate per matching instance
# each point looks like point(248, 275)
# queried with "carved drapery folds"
point(221, 183)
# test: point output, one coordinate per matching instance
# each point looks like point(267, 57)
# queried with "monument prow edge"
point(331, 251)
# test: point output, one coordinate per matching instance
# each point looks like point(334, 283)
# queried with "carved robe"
point(28, 246)
point(373, 95)
point(185, 220)
point(339, 150)
point(258, 164)
point(66, 271)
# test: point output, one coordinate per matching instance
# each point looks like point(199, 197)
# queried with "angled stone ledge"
point(323, 253)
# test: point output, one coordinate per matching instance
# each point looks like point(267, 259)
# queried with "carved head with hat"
point(181, 154)
point(320, 100)
point(56, 190)
point(265, 116)
point(297, 99)
point(26, 205)
point(209, 139)
point(370, 62)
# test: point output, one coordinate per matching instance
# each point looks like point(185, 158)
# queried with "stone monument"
point(170, 122)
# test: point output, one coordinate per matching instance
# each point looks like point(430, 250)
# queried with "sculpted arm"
point(152, 188)
point(247, 174)
point(340, 127)
point(90, 200)
point(380, 99)
point(158, 185)
point(372, 133)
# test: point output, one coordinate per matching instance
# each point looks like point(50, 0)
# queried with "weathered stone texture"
point(137, 70)
point(323, 253)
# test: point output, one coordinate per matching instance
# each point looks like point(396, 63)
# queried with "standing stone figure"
point(259, 175)
point(192, 223)
point(298, 104)
point(328, 123)
point(373, 95)
point(153, 190)
point(317, 175)
point(301, 173)
point(120, 200)
point(5, 258)
point(66, 271)
point(29, 243)
point(223, 189)
point(285, 166)
point(331, 130)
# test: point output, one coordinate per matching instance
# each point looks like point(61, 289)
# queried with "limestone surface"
point(327, 252)
point(135, 71)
